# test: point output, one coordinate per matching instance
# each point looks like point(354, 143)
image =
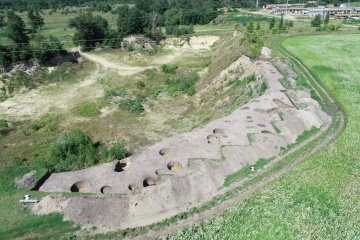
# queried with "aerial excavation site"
point(164, 119)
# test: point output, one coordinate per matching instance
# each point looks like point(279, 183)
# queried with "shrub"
point(117, 151)
point(185, 83)
point(71, 152)
point(251, 78)
point(179, 30)
point(315, 96)
point(4, 127)
point(140, 85)
point(263, 88)
point(132, 105)
point(76, 150)
point(170, 69)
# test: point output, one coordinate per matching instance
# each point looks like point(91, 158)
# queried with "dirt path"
point(334, 127)
point(124, 69)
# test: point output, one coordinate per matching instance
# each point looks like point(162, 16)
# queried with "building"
point(301, 9)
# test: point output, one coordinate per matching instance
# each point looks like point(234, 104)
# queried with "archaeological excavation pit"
point(122, 166)
point(105, 189)
point(213, 139)
point(174, 166)
point(166, 152)
point(133, 187)
point(266, 132)
point(80, 186)
point(219, 131)
point(149, 182)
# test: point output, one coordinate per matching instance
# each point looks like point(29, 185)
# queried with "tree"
point(123, 20)
point(172, 17)
point(258, 26)
point(281, 23)
point(35, 19)
point(250, 27)
point(316, 22)
point(39, 19)
point(272, 23)
point(327, 19)
point(15, 29)
point(2, 21)
point(32, 20)
point(90, 30)
point(45, 50)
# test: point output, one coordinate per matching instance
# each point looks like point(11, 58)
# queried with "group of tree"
point(21, 49)
point(146, 17)
point(280, 25)
point(25, 5)
point(324, 24)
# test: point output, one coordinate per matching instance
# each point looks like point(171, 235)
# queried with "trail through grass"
point(318, 199)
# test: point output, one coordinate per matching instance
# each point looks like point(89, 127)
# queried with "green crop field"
point(319, 198)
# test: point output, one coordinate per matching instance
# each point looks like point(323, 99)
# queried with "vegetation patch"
point(89, 109)
point(185, 83)
point(245, 171)
point(76, 150)
point(132, 105)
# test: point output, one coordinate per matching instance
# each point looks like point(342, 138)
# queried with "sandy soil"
point(207, 155)
point(39, 101)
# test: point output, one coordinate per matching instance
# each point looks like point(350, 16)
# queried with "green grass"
point(88, 109)
point(245, 171)
point(318, 199)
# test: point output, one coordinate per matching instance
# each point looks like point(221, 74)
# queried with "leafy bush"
point(76, 150)
point(117, 151)
point(4, 127)
point(185, 83)
point(315, 96)
point(263, 88)
point(44, 51)
point(253, 43)
point(132, 105)
point(179, 30)
point(170, 69)
point(140, 85)
point(251, 78)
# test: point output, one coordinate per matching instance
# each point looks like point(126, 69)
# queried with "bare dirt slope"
point(185, 170)
point(39, 101)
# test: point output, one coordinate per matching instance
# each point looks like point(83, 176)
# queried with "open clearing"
point(208, 129)
point(321, 192)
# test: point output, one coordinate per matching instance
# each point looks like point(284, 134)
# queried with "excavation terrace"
point(188, 169)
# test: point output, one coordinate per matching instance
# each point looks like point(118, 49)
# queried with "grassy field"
point(318, 199)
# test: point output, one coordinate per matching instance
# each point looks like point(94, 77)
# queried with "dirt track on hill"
point(223, 206)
